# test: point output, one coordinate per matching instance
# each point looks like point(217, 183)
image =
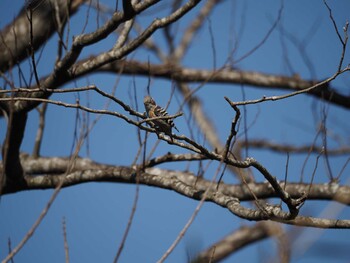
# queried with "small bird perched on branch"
point(153, 110)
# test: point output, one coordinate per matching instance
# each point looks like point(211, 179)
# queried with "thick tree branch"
point(12, 174)
point(229, 76)
point(184, 183)
point(233, 242)
point(49, 166)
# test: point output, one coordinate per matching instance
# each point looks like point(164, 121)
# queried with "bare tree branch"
point(15, 38)
point(264, 197)
point(65, 70)
point(233, 242)
point(40, 132)
point(232, 76)
point(66, 248)
point(49, 166)
point(289, 148)
point(184, 183)
point(12, 174)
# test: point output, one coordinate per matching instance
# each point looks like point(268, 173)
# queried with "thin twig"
point(35, 225)
point(275, 98)
point(250, 52)
point(29, 14)
point(324, 131)
point(65, 242)
point(131, 217)
point(342, 169)
point(233, 132)
point(194, 28)
point(193, 216)
point(313, 173)
point(40, 131)
point(46, 208)
point(10, 248)
point(345, 29)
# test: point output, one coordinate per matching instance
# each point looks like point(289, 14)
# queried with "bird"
point(153, 110)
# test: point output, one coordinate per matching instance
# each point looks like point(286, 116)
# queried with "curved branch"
point(186, 184)
point(50, 166)
point(229, 76)
point(240, 238)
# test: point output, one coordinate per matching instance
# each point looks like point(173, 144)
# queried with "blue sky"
point(96, 214)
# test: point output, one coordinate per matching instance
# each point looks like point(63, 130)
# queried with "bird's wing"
point(159, 111)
